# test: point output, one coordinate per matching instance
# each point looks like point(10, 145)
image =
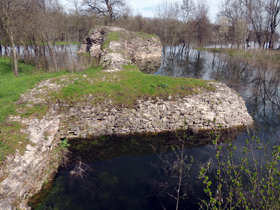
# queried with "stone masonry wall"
point(25, 173)
point(206, 110)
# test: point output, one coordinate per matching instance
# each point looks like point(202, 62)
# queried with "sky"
point(146, 7)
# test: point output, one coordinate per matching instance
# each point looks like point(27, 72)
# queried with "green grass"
point(113, 36)
point(87, 55)
point(229, 51)
point(145, 35)
point(10, 90)
point(124, 35)
point(256, 57)
point(125, 87)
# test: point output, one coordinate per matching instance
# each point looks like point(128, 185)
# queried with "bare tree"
point(223, 30)
point(110, 9)
point(187, 9)
point(10, 11)
point(168, 13)
point(76, 11)
point(202, 23)
point(255, 17)
point(273, 9)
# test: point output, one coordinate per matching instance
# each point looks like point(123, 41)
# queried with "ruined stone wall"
point(207, 110)
point(25, 174)
point(130, 48)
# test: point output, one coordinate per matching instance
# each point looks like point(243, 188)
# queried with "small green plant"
point(64, 143)
point(164, 85)
point(95, 142)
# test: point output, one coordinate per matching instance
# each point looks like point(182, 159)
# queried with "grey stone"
point(137, 50)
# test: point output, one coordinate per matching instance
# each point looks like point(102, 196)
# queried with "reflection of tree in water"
point(76, 192)
point(198, 65)
point(265, 100)
point(183, 63)
point(259, 86)
point(175, 186)
point(230, 70)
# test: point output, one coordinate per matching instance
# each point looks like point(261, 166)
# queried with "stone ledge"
point(204, 111)
point(25, 174)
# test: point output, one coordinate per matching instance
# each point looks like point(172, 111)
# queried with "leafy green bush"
point(239, 184)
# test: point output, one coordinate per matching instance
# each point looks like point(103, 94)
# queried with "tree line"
point(36, 25)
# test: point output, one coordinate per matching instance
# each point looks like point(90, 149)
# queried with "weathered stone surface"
point(133, 49)
point(25, 173)
point(149, 65)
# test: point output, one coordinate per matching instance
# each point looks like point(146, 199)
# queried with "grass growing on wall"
point(125, 87)
point(123, 35)
point(122, 88)
point(11, 88)
point(112, 36)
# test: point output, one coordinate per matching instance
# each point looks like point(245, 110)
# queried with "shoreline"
point(168, 108)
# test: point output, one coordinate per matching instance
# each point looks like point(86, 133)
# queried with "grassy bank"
point(252, 56)
point(10, 90)
point(125, 87)
point(64, 43)
point(122, 88)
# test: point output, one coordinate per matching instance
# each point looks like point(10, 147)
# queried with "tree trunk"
point(6, 51)
point(15, 61)
point(36, 56)
point(52, 55)
point(14, 54)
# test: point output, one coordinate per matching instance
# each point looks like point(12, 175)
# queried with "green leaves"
point(64, 143)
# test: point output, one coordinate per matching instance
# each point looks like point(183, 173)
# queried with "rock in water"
point(115, 47)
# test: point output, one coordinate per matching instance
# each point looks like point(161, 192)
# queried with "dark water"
point(149, 181)
point(65, 57)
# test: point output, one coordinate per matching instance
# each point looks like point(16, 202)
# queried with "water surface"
point(148, 181)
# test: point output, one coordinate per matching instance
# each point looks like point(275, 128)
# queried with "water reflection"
point(127, 182)
point(259, 86)
point(188, 63)
point(52, 58)
point(133, 180)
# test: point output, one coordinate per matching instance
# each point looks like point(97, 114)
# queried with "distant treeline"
point(33, 22)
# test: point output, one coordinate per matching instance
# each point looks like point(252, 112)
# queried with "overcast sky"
point(147, 7)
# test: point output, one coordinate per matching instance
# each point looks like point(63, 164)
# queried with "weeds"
point(239, 184)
